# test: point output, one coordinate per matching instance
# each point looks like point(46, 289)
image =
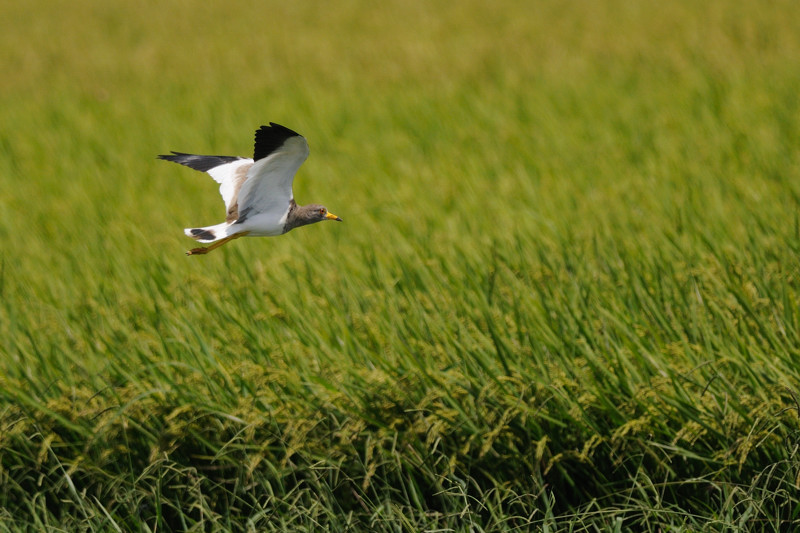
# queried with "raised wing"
point(229, 171)
point(279, 152)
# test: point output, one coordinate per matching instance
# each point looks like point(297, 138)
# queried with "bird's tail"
point(209, 233)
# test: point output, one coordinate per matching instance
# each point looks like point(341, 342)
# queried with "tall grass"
point(564, 296)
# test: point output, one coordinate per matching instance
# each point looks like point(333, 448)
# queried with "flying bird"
point(257, 192)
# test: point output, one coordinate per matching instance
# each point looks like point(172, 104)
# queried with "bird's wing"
point(279, 152)
point(229, 171)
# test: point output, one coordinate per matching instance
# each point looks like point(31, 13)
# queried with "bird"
point(257, 192)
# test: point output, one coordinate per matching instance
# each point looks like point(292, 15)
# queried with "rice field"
point(564, 296)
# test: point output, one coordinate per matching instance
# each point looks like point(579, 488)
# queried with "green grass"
point(564, 297)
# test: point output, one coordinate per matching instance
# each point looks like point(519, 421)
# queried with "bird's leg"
point(201, 251)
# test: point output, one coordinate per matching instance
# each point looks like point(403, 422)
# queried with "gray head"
point(300, 215)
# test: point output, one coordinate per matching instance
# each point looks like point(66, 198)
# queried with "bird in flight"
point(257, 192)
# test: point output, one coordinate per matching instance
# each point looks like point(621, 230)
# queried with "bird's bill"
point(333, 217)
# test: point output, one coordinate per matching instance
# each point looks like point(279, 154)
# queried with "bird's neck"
point(294, 218)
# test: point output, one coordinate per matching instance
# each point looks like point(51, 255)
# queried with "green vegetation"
point(564, 296)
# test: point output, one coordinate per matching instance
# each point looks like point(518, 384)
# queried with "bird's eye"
point(321, 211)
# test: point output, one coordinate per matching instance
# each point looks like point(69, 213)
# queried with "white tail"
point(209, 233)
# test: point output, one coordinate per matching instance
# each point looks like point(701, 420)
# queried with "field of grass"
point(564, 296)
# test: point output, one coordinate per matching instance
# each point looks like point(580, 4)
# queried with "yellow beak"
point(333, 217)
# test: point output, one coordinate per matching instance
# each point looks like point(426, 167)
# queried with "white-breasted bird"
point(257, 192)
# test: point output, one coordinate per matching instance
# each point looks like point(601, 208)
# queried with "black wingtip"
point(284, 129)
point(270, 138)
point(203, 163)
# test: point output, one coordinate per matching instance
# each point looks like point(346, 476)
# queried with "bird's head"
point(317, 213)
point(308, 214)
point(320, 212)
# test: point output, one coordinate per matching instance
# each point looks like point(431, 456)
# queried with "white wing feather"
point(268, 188)
point(230, 177)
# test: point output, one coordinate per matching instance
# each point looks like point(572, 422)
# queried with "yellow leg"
point(201, 251)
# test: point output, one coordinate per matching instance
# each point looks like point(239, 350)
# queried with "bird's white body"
point(263, 225)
